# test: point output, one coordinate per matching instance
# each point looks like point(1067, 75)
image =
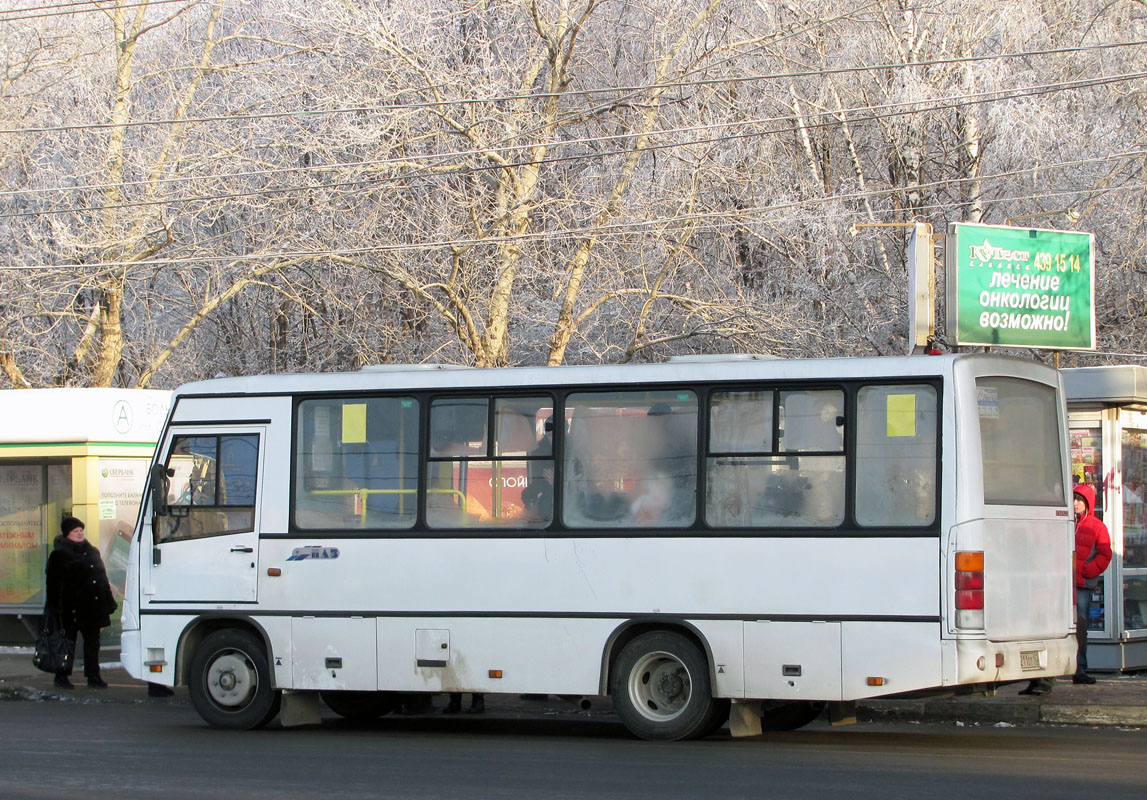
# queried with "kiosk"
point(68, 451)
point(1107, 417)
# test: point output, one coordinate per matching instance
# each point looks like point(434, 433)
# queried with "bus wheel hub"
point(671, 686)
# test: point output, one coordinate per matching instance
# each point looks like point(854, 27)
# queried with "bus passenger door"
point(205, 544)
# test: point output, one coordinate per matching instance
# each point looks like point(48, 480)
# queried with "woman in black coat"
point(78, 590)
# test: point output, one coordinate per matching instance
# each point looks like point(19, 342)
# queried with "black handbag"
point(54, 649)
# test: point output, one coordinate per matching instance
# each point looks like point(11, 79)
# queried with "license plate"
point(1029, 659)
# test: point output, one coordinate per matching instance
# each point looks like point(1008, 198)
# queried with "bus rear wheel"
point(360, 705)
point(230, 682)
point(661, 689)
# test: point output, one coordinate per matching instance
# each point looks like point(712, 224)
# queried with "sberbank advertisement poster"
point(1020, 287)
point(122, 483)
point(21, 543)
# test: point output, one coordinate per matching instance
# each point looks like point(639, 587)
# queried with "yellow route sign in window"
point(354, 423)
point(901, 415)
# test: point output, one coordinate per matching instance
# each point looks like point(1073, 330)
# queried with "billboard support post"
point(921, 289)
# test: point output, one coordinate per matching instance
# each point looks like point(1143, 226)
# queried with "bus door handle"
point(242, 549)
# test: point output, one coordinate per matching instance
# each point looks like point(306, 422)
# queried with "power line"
point(725, 220)
point(621, 228)
point(914, 108)
point(832, 120)
point(622, 90)
point(356, 109)
point(10, 15)
point(1090, 194)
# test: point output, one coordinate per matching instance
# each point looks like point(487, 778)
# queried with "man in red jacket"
point(1092, 555)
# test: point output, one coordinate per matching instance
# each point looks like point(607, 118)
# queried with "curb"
point(1131, 716)
point(1010, 713)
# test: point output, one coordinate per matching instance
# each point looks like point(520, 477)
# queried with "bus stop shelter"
point(1107, 417)
point(63, 451)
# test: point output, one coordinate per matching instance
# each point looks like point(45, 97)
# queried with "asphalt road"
point(161, 750)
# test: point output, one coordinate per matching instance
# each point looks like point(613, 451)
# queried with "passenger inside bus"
point(538, 494)
point(629, 462)
point(457, 430)
point(479, 482)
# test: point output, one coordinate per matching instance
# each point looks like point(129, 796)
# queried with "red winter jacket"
point(1092, 543)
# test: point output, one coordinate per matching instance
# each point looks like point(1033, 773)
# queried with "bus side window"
point(476, 480)
point(787, 472)
point(740, 426)
point(522, 488)
point(356, 463)
point(630, 460)
point(457, 434)
point(896, 455)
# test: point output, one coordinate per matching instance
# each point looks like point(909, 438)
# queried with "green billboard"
point(1020, 287)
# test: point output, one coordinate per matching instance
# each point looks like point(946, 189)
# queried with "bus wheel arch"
point(661, 680)
point(202, 627)
point(629, 630)
point(230, 679)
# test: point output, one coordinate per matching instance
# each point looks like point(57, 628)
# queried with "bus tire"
point(718, 719)
point(790, 715)
point(661, 690)
point(360, 705)
point(230, 681)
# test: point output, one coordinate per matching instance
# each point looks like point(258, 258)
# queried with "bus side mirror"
point(159, 485)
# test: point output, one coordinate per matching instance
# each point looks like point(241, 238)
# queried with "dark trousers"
point(1083, 609)
point(91, 649)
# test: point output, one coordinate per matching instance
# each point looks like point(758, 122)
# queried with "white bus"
point(771, 534)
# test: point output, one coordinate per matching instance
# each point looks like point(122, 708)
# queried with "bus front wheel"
point(661, 689)
point(230, 683)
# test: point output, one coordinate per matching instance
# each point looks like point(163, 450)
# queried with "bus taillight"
point(970, 590)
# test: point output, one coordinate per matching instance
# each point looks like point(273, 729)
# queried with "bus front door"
point(205, 546)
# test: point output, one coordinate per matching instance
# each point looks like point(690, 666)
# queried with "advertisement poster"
point(122, 483)
point(21, 545)
point(1019, 287)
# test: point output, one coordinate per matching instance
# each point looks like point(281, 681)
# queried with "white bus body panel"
point(803, 618)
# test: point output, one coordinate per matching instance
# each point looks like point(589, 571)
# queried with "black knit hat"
point(69, 524)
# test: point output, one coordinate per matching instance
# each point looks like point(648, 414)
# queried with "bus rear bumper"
point(984, 661)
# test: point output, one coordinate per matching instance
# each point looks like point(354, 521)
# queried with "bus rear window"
point(1020, 440)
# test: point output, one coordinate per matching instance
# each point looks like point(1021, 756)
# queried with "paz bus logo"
point(313, 551)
